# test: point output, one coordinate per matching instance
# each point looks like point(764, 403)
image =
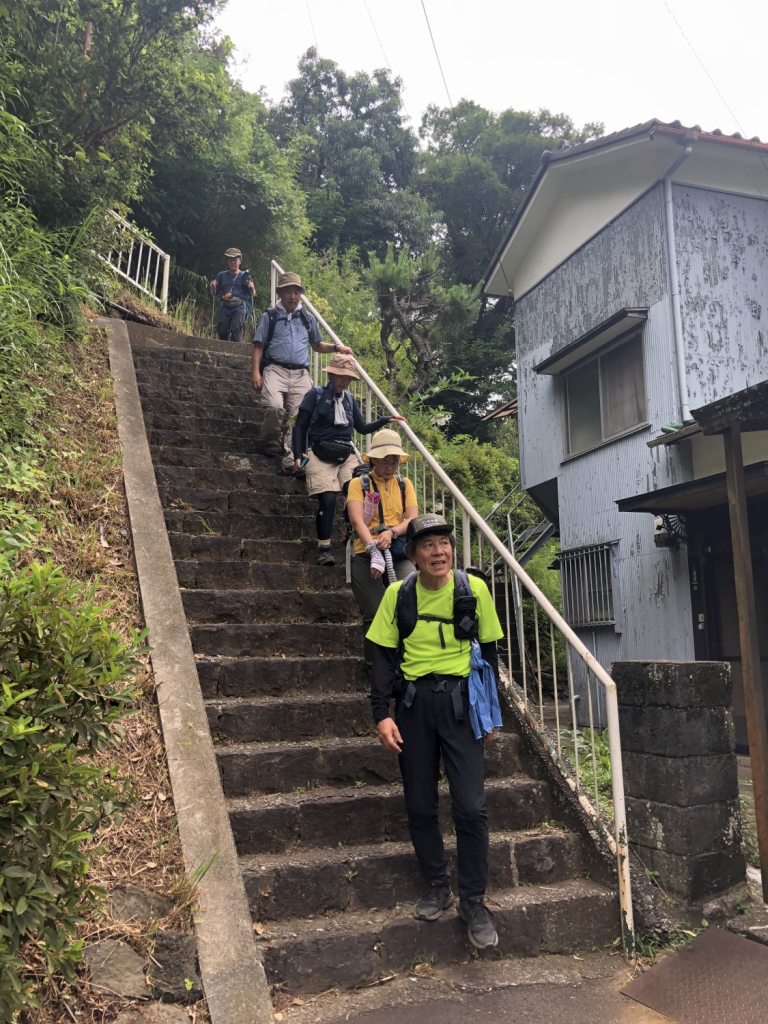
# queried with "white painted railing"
point(542, 651)
point(137, 259)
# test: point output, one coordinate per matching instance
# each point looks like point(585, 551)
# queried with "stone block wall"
point(680, 773)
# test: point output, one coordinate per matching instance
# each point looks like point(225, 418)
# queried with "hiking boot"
point(435, 900)
point(481, 930)
point(324, 556)
point(296, 474)
point(274, 448)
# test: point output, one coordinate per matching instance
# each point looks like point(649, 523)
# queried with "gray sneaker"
point(324, 556)
point(435, 900)
point(481, 931)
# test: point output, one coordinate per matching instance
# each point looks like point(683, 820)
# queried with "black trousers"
point(230, 323)
point(429, 729)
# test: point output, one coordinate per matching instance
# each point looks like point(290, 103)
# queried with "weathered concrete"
point(115, 967)
point(132, 904)
point(232, 972)
point(680, 774)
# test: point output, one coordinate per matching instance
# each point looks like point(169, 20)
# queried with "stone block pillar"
point(680, 773)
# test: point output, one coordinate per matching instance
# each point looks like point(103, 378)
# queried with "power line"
point(703, 67)
point(714, 86)
point(312, 26)
point(384, 55)
point(459, 133)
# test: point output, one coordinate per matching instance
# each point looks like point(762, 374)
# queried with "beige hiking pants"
point(281, 394)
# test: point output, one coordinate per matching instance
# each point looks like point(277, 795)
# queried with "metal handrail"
point(142, 277)
point(618, 840)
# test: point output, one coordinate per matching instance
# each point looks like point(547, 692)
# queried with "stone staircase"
point(315, 802)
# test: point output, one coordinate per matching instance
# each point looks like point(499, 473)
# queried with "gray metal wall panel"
point(624, 265)
point(722, 252)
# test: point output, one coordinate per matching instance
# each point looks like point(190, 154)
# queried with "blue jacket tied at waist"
point(484, 711)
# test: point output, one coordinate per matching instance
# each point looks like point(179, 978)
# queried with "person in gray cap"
point(236, 290)
point(281, 344)
point(422, 638)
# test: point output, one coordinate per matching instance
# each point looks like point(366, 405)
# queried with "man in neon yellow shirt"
point(428, 677)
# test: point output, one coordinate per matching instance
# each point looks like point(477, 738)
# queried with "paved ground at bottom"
point(549, 989)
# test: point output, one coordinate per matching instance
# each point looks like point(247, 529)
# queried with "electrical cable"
point(459, 133)
point(384, 55)
point(714, 86)
point(312, 26)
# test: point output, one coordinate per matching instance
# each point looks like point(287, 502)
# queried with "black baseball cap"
point(425, 524)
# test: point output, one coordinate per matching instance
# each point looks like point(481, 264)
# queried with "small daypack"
point(464, 619)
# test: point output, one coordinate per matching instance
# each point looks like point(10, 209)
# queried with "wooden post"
point(757, 732)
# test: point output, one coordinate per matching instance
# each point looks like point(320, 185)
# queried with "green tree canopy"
point(356, 157)
point(236, 188)
point(104, 87)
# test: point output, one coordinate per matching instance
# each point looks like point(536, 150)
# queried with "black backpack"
point(464, 619)
point(272, 314)
point(362, 472)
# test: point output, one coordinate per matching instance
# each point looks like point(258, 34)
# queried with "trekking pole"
point(213, 317)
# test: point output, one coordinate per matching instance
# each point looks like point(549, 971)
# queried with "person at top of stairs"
point(322, 435)
point(380, 504)
point(235, 289)
point(280, 363)
point(426, 664)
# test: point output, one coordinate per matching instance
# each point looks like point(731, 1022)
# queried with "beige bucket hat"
point(383, 443)
point(233, 253)
point(289, 281)
point(342, 364)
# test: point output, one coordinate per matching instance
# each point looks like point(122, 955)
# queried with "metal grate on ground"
point(720, 978)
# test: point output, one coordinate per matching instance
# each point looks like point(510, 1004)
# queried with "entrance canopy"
point(696, 494)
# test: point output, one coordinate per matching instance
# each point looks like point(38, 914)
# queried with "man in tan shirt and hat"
point(281, 357)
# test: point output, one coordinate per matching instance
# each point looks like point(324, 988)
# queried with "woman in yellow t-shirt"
point(385, 528)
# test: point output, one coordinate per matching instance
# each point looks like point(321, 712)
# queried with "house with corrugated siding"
point(638, 264)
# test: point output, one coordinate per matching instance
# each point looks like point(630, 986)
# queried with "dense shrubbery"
point(63, 676)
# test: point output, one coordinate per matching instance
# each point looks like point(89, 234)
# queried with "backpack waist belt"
point(455, 685)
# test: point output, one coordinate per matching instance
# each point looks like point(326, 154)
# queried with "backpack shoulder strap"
point(272, 314)
point(401, 484)
point(461, 587)
point(306, 319)
point(406, 609)
point(318, 389)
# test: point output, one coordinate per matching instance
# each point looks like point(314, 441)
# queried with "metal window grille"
point(587, 583)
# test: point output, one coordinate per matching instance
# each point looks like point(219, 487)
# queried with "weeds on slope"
point(79, 505)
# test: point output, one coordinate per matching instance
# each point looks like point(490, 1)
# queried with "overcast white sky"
point(616, 61)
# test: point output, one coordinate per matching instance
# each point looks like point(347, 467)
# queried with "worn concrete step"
point(209, 548)
point(197, 353)
point(352, 949)
point(252, 768)
point(310, 639)
point(155, 408)
point(209, 395)
point(315, 818)
point(281, 676)
point(272, 719)
point(209, 478)
point(212, 442)
point(261, 501)
point(168, 455)
point(261, 606)
point(162, 371)
point(240, 525)
point(197, 422)
point(309, 883)
point(245, 575)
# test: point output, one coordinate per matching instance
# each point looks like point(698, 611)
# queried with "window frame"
point(580, 569)
point(596, 357)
